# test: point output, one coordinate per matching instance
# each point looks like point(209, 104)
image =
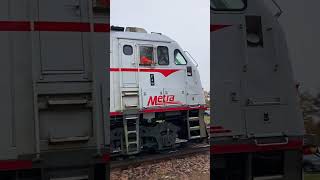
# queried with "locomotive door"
point(175, 83)
point(129, 82)
point(163, 83)
point(128, 64)
point(150, 79)
point(63, 40)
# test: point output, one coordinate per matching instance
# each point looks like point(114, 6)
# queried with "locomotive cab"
point(156, 93)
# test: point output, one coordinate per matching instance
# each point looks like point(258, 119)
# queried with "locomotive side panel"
point(22, 93)
point(256, 118)
point(7, 128)
point(268, 82)
point(64, 58)
point(101, 48)
point(228, 62)
point(73, 62)
point(258, 81)
point(16, 74)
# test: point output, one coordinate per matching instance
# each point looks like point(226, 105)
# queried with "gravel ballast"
point(194, 167)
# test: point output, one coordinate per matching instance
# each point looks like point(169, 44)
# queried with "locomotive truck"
point(157, 101)
point(256, 127)
point(54, 89)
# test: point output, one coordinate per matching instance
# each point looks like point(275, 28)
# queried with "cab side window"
point(146, 55)
point(178, 58)
point(163, 55)
point(127, 50)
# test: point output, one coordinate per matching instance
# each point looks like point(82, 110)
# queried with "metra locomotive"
point(157, 100)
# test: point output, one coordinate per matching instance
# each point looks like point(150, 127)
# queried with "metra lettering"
point(161, 100)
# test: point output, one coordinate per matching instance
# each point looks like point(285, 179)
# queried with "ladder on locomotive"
point(131, 133)
point(193, 123)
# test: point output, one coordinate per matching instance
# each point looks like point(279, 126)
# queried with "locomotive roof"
point(141, 36)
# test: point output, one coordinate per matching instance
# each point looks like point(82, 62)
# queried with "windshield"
point(228, 4)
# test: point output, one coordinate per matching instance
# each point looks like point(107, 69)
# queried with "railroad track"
point(152, 158)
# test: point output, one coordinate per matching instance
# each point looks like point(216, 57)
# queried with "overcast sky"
point(185, 21)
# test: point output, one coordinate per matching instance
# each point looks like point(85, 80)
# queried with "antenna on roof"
point(156, 33)
point(117, 28)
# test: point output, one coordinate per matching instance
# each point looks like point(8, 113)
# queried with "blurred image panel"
point(258, 61)
point(55, 89)
point(159, 89)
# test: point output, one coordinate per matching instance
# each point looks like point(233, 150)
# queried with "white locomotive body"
point(156, 95)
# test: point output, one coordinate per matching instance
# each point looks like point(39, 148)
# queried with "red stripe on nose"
point(217, 27)
point(164, 72)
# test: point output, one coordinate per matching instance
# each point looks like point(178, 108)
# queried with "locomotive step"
point(132, 142)
point(132, 132)
point(195, 137)
point(134, 129)
point(131, 118)
point(178, 141)
point(131, 106)
point(193, 118)
point(130, 94)
point(194, 128)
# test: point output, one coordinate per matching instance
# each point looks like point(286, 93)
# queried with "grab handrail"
point(192, 58)
point(279, 8)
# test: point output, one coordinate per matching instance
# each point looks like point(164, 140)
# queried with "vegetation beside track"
point(312, 177)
